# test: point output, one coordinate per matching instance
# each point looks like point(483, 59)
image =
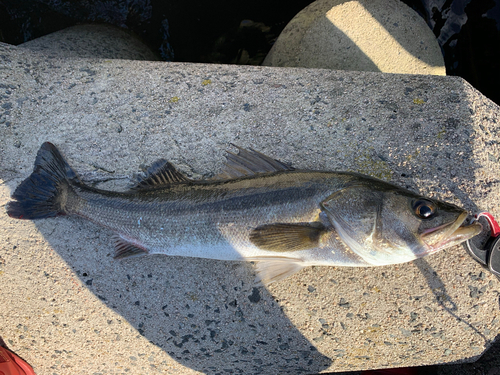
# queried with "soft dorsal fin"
point(160, 173)
point(285, 237)
point(248, 163)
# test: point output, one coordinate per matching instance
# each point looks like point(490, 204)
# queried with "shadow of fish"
point(258, 209)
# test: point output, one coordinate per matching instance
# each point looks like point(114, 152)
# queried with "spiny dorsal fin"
point(248, 163)
point(271, 269)
point(160, 173)
point(126, 249)
point(287, 237)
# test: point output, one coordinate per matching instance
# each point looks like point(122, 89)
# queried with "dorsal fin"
point(248, 163)
point(160, 173)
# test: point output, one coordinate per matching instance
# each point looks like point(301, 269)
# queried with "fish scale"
point(202, 215)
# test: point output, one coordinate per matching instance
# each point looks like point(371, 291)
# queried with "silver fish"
point(258, 209)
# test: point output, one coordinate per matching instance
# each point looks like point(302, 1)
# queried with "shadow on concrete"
point(327, 59)
point(438, 288)
point(407, 39)
point(206, 314)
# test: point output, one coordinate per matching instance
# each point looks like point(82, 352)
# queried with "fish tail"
point(45, 192)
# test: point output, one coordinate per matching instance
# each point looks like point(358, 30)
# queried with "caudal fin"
point(45, 192)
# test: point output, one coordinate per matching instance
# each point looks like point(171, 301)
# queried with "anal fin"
point(126, 249)
point(284, 237)
point(272, 269)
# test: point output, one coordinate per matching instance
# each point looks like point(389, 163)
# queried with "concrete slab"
point(68, 307)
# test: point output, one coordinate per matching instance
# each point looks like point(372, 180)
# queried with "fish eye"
point(424, 209)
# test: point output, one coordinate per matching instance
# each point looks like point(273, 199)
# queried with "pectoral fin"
point(272, 269)
point(287, 237)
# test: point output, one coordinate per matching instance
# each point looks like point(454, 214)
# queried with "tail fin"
point(44, 193)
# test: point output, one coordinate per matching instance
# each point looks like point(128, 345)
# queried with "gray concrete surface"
point(365, 35)
point(68, 307)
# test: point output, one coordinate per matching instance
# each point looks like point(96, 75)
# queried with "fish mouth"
point(450, 234)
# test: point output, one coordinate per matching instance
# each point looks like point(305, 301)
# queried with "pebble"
point(344, 303)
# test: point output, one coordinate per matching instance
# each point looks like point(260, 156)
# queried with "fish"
point(257, 209)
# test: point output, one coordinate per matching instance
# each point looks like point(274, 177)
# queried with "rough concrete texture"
point(365, 35)
point(94, 41)
point(68, 307)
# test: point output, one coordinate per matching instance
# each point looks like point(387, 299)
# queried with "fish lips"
point(450, 234)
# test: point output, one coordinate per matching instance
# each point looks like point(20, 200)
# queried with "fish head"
point(385, 224)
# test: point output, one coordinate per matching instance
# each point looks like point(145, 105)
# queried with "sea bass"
point(258, 209)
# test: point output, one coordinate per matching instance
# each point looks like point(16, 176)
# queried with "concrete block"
point(94, 41)
point(375, 35)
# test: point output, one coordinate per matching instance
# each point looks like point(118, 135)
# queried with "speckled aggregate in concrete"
point(68, 307)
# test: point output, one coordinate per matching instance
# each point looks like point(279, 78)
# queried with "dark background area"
point(234, 32)
point(213, 32)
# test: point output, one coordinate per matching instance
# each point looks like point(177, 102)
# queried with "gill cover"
point(375, 221)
